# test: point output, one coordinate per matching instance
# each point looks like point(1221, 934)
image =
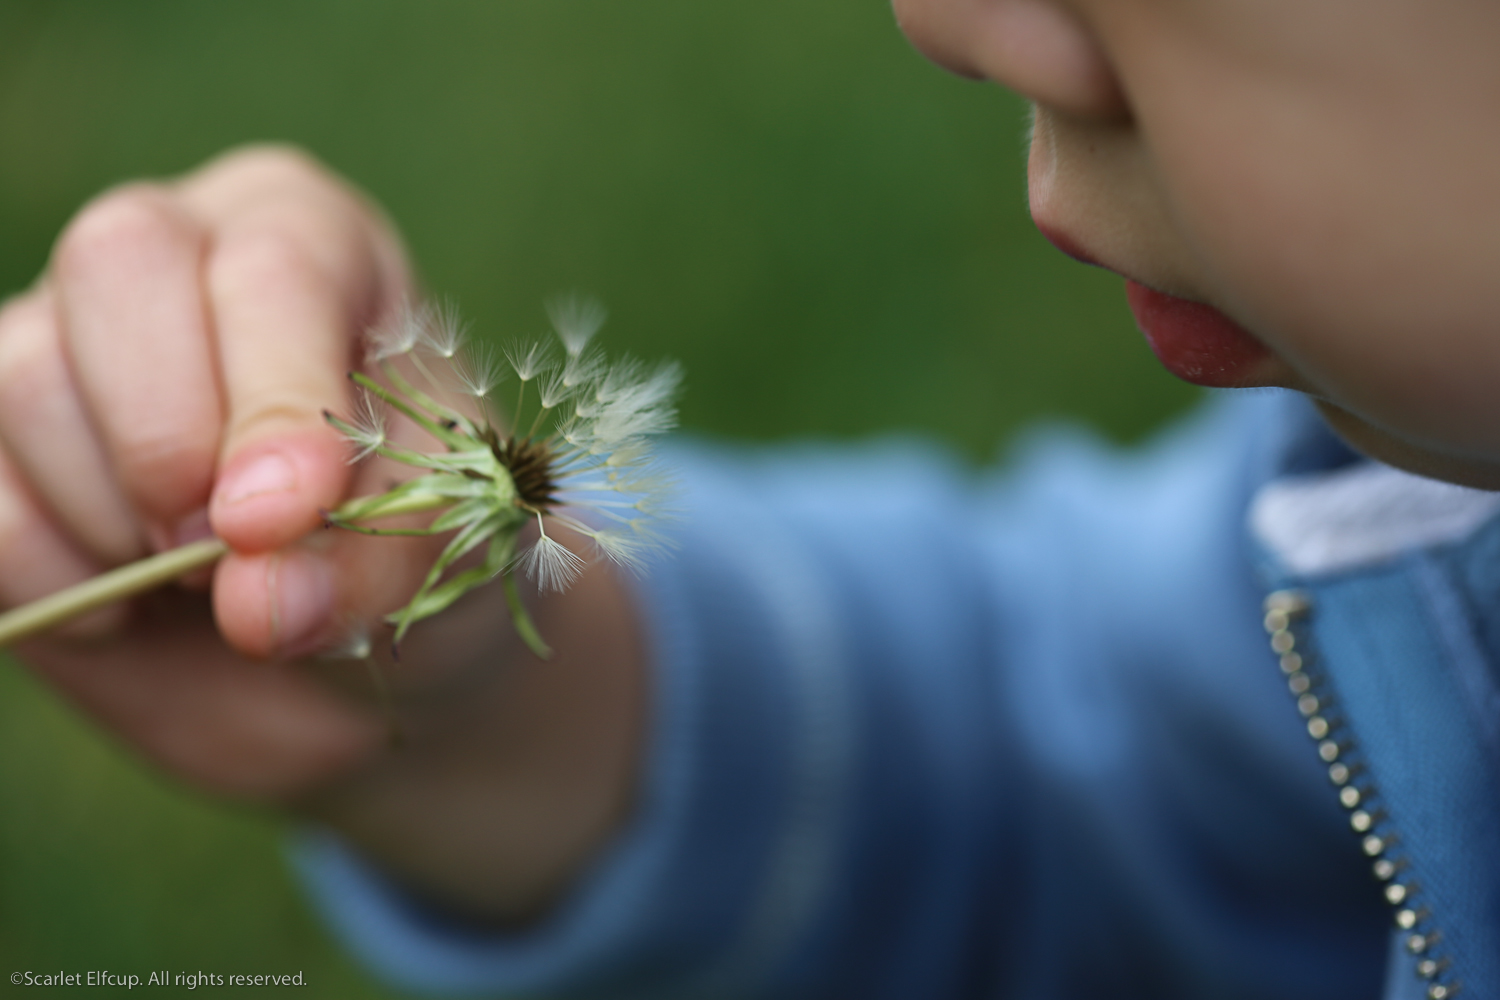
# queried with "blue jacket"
point(918, 733)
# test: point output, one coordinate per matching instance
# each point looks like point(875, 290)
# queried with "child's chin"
point(1383, 446)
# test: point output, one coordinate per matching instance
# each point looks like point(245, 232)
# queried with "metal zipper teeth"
point(1356, 793)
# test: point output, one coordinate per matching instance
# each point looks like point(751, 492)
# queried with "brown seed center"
point(530, 465)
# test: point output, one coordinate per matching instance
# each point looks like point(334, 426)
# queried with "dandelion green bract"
point(577, 453)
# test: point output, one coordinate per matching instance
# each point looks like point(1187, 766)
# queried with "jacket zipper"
point(1377, 836)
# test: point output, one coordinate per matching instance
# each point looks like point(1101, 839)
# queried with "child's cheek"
point(1372, 282)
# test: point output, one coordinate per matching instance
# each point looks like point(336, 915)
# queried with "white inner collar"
point(1362, 514)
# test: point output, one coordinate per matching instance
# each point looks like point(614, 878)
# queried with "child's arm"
point(168, 372)
point(916, 735)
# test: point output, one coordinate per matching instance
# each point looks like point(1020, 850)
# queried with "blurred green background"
point(827, 231)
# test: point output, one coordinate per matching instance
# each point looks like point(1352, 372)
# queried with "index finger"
point(298, 268)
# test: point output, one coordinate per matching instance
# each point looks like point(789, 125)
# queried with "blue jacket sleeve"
point(918, 734)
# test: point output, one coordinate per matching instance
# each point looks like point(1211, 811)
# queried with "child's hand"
point(168, 374)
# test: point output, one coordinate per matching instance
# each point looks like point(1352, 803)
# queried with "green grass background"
point(828, 232)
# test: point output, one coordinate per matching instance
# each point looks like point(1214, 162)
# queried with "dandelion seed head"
point(576, 318)
point(551, 565)
point(584, 461)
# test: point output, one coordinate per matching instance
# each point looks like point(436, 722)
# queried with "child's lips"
point(1195, 342)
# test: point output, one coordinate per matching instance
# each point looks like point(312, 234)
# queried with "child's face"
point(1325, 172)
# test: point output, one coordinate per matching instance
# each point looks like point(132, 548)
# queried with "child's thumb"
point(318, 593)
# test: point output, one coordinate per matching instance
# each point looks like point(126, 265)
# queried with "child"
point(873, 732)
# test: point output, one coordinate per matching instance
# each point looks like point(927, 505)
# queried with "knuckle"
point(275, 162)
point(169, 472)
point(260, 261)
point(252, 177)
point(118, 225)
point(25, 348)
point(285, 410)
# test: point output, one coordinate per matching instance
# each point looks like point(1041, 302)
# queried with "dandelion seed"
point(618, 423)
point(442, 332)
point(528, 360)
point(647, 534)
point(622, 548)
point(635, 454)
point(478, 371)
point(551, 565)
point(576, 318)
point(652, 504)
point(653, 389)
point(354, 644)
point(582, 369)
point(398, 335)
point(554, 390)
point(357, 644)
point(367, 431)
point(622, 377)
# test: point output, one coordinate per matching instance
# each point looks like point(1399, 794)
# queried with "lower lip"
point(1195, 342)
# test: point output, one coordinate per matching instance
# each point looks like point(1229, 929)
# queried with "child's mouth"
point(1195, 342)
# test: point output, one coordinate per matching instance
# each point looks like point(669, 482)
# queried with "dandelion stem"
point(423, 400)
point(134, 579)
point(362, 529)
point(537, 423)
point(443, 434)
point(416, 360)
point(107, 588)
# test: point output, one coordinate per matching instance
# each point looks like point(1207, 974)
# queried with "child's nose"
point(1035, 47)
